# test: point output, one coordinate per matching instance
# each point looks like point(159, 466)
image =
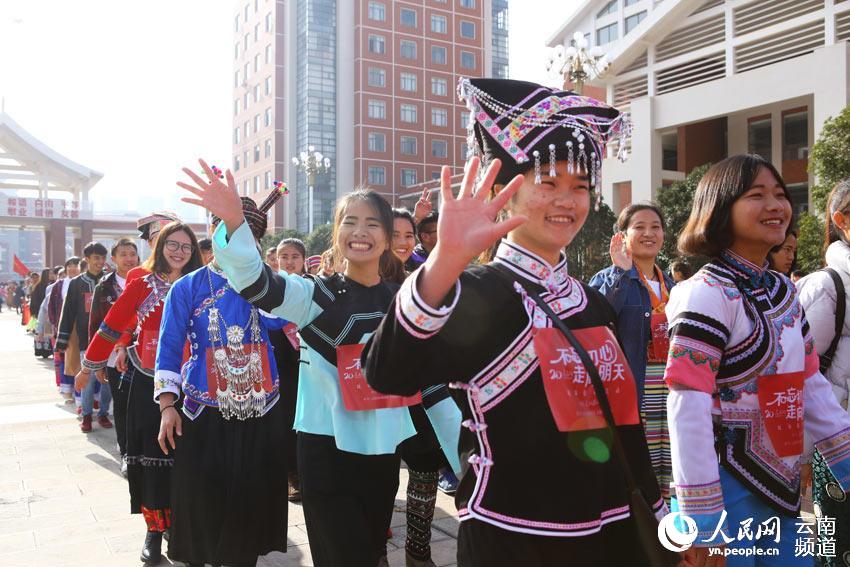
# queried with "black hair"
point(72, 261)
point(94, 248)
point(125, 241)
point(682, 267)
point(626, 215)
point(708, 229)
point(205, 244)
point(407, 215)
point(791, 232)
point(432, 218)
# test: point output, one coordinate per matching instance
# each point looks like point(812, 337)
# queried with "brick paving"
point(63, 500)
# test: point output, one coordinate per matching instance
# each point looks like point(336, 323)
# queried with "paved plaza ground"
point(63, 500)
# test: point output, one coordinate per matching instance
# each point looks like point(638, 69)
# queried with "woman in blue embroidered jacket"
point(743, 373)
point(228, 489)
point(638, 291)
point(518, 388)
point(347, 458)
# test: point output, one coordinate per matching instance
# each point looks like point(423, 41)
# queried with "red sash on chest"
point(357, 395)
point(781, 405)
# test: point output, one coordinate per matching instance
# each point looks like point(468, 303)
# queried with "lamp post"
point(311, 162)
point(577, 64)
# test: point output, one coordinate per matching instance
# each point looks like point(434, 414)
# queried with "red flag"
point(19, 267)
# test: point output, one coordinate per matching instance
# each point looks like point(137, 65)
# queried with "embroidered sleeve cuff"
point(166, 381)
point(417, 317)
point(704, 504)
point(93, 365)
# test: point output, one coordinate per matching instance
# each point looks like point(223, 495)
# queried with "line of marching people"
point(245, 379)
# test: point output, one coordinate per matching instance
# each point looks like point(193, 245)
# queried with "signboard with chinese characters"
point(32, 208)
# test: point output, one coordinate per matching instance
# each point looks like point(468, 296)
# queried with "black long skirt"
point(228, 502)
point(120, 392)
point(148, 468)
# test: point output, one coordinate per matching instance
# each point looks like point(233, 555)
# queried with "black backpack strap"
point(840, 310)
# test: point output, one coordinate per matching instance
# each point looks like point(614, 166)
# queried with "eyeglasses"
point(174, 246)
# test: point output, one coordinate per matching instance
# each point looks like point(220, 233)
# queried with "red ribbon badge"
point(357, 395)
point(781, 405)
point(569, 391)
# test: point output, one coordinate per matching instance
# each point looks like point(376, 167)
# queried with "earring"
point(536, 155)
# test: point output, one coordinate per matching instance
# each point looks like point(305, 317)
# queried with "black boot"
point(152, 550)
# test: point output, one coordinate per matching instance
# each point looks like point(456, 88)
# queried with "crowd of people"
point(575, 415)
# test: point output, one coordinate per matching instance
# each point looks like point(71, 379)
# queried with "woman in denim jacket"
point(638, 290)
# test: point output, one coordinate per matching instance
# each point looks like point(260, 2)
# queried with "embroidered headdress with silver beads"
point(524, 123)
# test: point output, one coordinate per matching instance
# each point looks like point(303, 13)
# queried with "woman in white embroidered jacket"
point(743, 375)
point(819, 298)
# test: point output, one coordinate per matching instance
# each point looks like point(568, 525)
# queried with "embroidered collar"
point(744, 270)
point(533, 267)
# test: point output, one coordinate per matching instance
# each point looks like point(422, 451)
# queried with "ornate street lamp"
point(577, 64)
point(311, 162)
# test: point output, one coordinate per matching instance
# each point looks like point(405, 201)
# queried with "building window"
point(245, 187)
point(269, 53)
point(408, 49)
point(438, 24)
point(269, 22)
point(377, 44)
point(236, 78)
point(246, 13)
point(246, 131)
point(246, 156)
point(268, 148)
point(235, 163)
point(377, 77)
point(236, 51)
point(236, 107)
point(795, 136)
point(408, 17)
point(256, 153)
point(377, 11)
point(236, 135)
point(377, 176)
point(439, 117)
point(439, 148)
point(236, 23)
point(408, 177)
point(246, 100)
point(438, 55)
point(606, 34)
point(467, 60)
point(245, 42)
point(256, 184)
point(256, 32)
point(467, 29)
point(377, 142)
point(377, 109)
point(267, 180)
point(256, 123)
point(408, 82)
point(610, 8)
point(256, 62)
point(268, 86)
point(268, 118)
point(759, 137)
point(439, 86)
point(256, 91)
point(408, 113)
point(467, 3)
point(408, 145)
point(464, 118)
point(628, 3)
point(633, 21)
point(246, 72)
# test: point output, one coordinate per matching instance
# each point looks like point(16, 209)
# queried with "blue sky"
point(136, 90)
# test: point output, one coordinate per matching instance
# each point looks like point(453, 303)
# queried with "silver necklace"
point(238, 372)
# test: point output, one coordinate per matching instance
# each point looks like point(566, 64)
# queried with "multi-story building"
point(368, 83)
point(706, 79)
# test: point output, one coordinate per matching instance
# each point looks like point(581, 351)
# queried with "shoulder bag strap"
point(840, 310)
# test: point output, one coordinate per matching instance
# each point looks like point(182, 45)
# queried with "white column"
point(645, 160)
point(832, 73)
point(737, 132)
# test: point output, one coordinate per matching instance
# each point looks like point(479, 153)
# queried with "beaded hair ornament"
point(523, 122)
point(256, 215)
